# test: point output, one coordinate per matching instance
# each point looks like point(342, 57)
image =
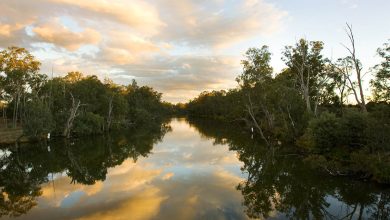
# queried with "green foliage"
point(217, 104)
point(381, 83)
point(73, 104)
point(37, 119)
point(305, 104)
point(354, 143)
point(103, 106)
point(329, 131)
point(374, 166)
point(18, 73)
point(256, 67)
point(145, 104)
point(325, 131)
point(378, 130)
point(353, 127)
point(308, 68)
point(88, 123)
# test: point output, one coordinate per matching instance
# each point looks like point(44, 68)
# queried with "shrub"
point(88, 123)
point(325, 131)
point(353, 126)
point(37, 119)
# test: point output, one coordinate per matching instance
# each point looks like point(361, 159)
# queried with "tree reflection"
point(279, 183)
point(19, 184)
point(86, 160)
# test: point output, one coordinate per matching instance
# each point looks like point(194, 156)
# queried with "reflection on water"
point(181, 170)
point(280, 186)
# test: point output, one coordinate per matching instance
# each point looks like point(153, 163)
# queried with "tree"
point(17, 67)
point(74, 76)
point(357, 65)
point(73, 113)
point(37, 118)
point(307, 65)
point(381, 83)
point(341, 75)
point(256, 67)
point(257, 71)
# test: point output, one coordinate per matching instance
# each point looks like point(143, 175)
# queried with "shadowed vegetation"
point(73, 105)
point(314, 103)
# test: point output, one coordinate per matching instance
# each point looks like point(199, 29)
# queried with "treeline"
point(75, 104)
point(307, 104)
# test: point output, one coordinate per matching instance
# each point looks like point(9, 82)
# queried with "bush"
point(325, 131)
point(353, 126)
point(88, 123)
point(377, 167)
point(37, 119)
point(378, 130)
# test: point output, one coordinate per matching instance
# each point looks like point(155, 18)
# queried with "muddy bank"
point(11, 135)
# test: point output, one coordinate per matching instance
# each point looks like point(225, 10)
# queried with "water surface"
point(179, 170)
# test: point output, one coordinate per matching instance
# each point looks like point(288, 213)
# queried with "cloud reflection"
point(165, 185)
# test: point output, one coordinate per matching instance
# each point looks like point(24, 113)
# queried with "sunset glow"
point(182, 47)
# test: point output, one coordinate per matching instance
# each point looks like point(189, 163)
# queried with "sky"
point(183, 47)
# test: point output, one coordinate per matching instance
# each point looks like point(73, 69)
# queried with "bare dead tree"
point(16, 108)
point(73, 114)
point(250, 109)
point(342, 87)
point(109, 116)
point(358, 69)
point(290, 117)
point(345, 85)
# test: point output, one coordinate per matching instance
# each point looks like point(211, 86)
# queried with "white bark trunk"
point(72, 116)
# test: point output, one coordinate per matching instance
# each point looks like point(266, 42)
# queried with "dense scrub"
point(72, 105)
point(314, 103)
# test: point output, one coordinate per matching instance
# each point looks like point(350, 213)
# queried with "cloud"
point(186, 75)
point(168, 176)
point(163, 185)
point(11, 34)
point(145, 205)
point(135, 14)
point(121, 48)
point(61, 36)
point(217, 24)
point(174, 46)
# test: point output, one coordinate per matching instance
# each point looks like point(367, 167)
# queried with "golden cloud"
point(170, 45)
point(61, 36)
point(144, 205)
point(135, 14)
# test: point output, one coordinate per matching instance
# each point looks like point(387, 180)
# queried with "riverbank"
point(11, 135)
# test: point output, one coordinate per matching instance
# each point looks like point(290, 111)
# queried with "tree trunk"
point(252, 115)
point(308, 106)
point(269, 116)
point(72, 116)
point(15, 112)
point(363, 102)
point(304, 85)
point(358, 69)
point(291, 119)
point(109, 117)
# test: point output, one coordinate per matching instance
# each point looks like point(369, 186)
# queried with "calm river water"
point(182, 169)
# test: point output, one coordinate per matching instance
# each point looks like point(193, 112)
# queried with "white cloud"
point(170, 45)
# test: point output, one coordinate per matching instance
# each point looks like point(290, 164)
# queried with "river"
point(183, 169)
